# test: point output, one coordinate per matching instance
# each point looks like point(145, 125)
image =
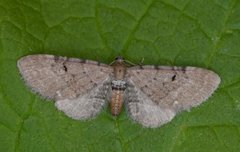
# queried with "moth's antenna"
point(130, 63)
point(133, 64)
point(141, 63)
point(112, 62)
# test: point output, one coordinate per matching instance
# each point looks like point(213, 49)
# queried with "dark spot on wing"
point(154, 78)
point(173, 77)
point(65, 68)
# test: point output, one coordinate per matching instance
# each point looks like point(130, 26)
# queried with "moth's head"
point(119, 59)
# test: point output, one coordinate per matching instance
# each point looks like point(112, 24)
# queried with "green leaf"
point(165, 32)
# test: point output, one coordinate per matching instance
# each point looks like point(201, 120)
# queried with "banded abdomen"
point(116, 102)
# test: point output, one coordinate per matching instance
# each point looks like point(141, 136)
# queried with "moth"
point(153, 95)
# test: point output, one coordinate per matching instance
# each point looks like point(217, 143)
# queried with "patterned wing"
point(79, 87)
point(156, 94)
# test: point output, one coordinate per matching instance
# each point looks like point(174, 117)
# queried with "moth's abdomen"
point(118, 87)
point(116, 102)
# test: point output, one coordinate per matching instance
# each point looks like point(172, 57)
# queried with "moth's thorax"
point(118, 86)
point(119, 69)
